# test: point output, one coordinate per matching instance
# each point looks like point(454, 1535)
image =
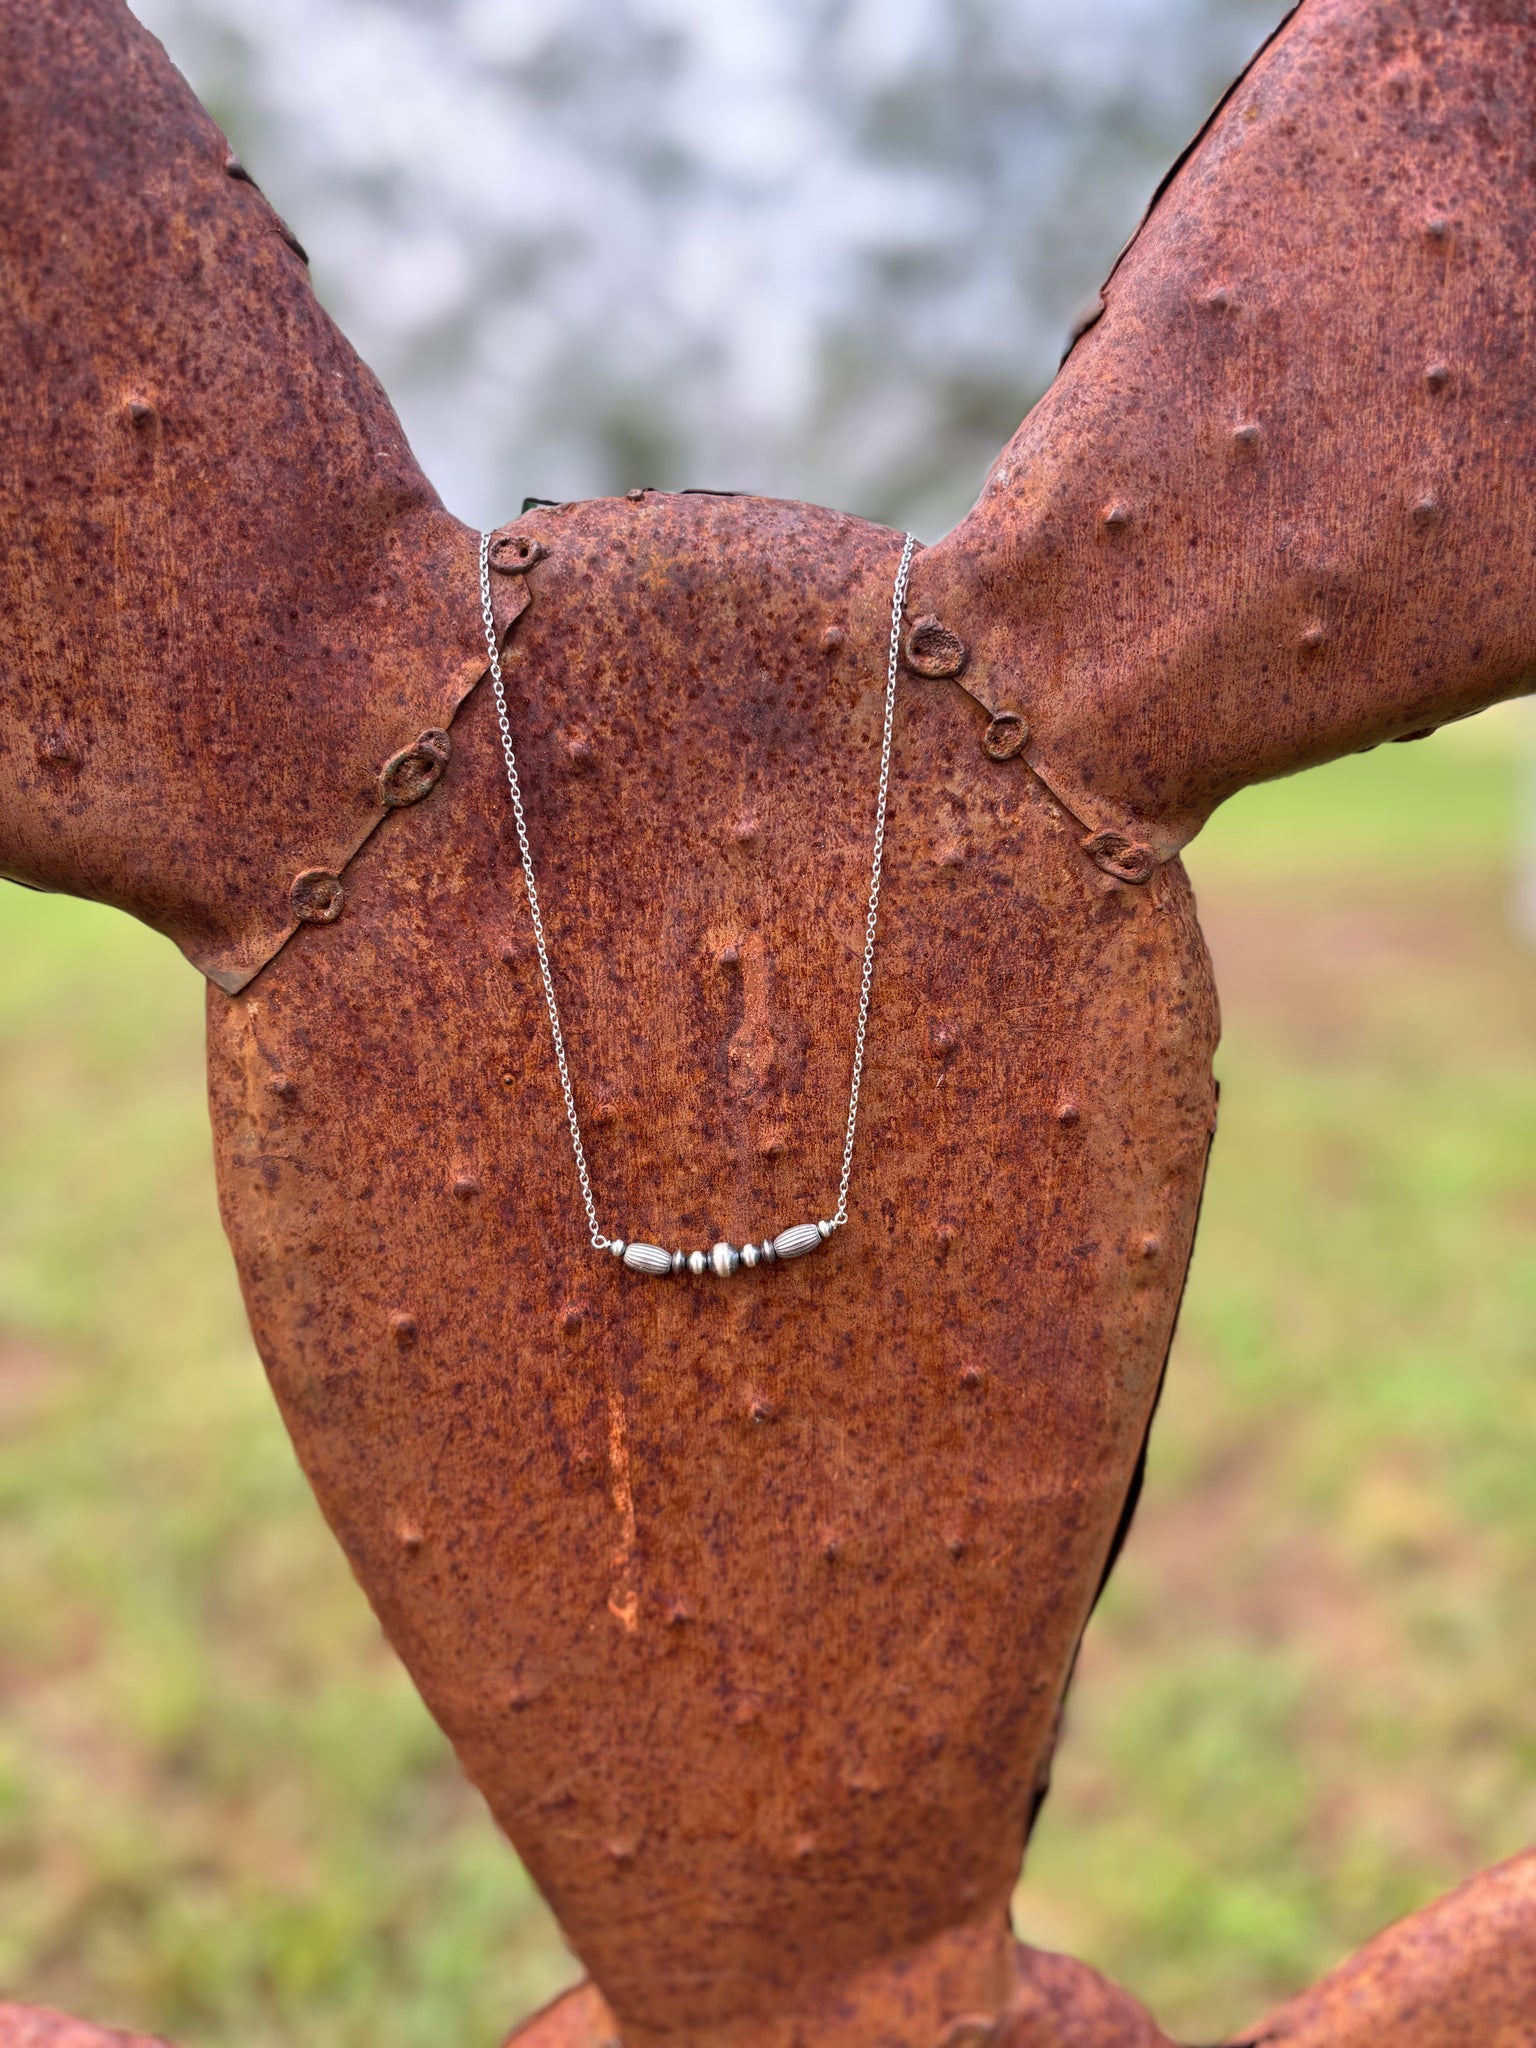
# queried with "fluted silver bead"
point(725, 1259)
point(698, 1263)
point(647, 1258)
point(750, 1256)
point(795, 1242)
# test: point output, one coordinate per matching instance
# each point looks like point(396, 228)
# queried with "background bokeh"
point(831, 249)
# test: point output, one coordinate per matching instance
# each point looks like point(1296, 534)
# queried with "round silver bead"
point(766, 1252)
point(725, 1259)
point(698, 1263)
point(647, 1258)
point(795, 1242)
point(617, 1246)
point(826, 1229)
point(750, 1256)
point(679, 1262)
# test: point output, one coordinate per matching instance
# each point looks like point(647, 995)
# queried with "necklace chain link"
point(804, 1236)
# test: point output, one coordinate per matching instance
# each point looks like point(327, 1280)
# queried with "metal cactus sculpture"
point(749, 1604)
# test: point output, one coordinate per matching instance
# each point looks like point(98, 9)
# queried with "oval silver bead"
point(725, 1259)
point(647, 1258)
point(698, 1263)
point(795, 1242)
point(750, 1256)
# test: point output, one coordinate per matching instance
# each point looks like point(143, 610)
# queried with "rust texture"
point(750, 1606)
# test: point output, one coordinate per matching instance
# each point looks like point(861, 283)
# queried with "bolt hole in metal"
point(512, 554)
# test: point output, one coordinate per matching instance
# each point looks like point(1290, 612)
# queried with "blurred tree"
point(822, 248)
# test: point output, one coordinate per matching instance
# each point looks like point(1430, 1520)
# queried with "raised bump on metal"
point(933, 650)
point(1123, 858)
point(316, 896)
point(415, 771)
point(1006, 735)
point(511, 554)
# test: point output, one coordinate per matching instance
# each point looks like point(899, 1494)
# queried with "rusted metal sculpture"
point(751, 1608)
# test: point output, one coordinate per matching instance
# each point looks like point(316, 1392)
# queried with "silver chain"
point(898, 605)
point(599, 1242)
point(871, 920)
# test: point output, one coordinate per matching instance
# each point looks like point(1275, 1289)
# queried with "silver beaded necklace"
point(800, 1238)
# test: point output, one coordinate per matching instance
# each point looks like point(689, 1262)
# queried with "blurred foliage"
point(825, 249)
point(1305, 1706)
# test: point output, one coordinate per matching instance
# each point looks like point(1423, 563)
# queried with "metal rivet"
point(403, 1327)
point(1220, 300)
point(233, 168)
point(1067, 1111)
point(832, 638)
point(621, 1851)
point(636, 492)
point(1007, 735)
point(1314, 637)
point(679, 1614)
point(971, 1377)
point(1151, 1244)
point(760, 1411)
point(408, 776)
point(1437, 376)
point(512, 553)
point(1246, 435)
point(1121, 857)
point(955, 1545)
point(1438, 228)
point(1116, 515)
point(140, 411)
point(280, 1086)
point(409, 1537)
point(804, 1847)
point(466, 1187)
point(1426, 511)
point(934, 651)
point(316, 896)
point(507, 953)
point(571, 1321)
point(57, 750)
point(746, 831)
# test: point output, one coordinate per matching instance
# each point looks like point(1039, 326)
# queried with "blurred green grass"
point(1306, 1704)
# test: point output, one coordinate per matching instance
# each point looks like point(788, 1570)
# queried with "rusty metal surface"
point(750, 1606)
point(229, 596)
point(1277, 506)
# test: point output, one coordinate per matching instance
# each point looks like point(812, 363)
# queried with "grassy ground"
point(1309, 1701)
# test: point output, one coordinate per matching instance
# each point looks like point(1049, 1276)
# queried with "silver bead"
point(795, 1242)
point(647, 1258)
point(698, 1262)
point(679, 1262)
point(750, 1256)
point(766, 1252)
point(725, 1259)
point(826, 1229)
point(616, 1246)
